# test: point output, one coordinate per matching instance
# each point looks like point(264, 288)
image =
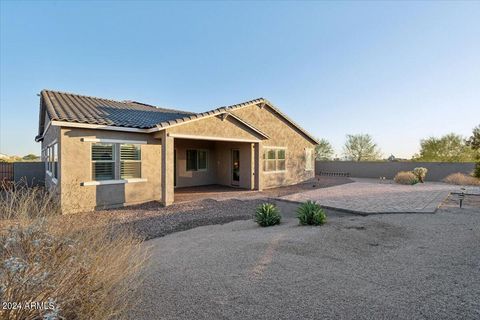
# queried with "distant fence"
point(6, 171)
point(437, 171)
point(32, 173)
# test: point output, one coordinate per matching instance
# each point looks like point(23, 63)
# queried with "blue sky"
point(398, 71)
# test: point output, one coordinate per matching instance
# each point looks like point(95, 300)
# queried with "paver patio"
point(369, 196)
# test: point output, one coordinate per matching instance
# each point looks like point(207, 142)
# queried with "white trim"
point(101, 127)
point(273, 147)
point(269, 148)
point(54, 180)
point(113, 141)
point(51, 143)
point(106, 182)
point(195, 137)
point(278, 171)
point(159, 128)
point(49, 173)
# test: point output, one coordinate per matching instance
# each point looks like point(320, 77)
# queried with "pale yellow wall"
point(76, 168)
point(281, 134)
point(194, 178)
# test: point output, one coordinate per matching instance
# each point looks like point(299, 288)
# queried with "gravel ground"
point(402, 266)
point(151, 220)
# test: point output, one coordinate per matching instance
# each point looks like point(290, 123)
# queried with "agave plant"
point(310, 213)
point(267, 214)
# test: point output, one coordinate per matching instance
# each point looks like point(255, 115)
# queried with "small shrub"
point(406, 177)
point(267, 214)
point(462, 179)
point(420, 173)
point(476, 172)
point(310, 213)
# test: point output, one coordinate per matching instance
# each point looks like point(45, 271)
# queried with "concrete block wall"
point(32, 173)
point(437, 171)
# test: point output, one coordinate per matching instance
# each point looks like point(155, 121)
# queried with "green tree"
point(324, 150)
point(474, 141)
point(448, 148)
point(361, 147)
point(30, 157)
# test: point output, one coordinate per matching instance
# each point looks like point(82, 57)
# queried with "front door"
point(235, 167)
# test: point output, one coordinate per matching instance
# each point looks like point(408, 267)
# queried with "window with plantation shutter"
point(130, 161)
point(103, 161)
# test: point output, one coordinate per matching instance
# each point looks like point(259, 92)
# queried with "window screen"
point(191, 160)
point(202, 160)
point(274, 159)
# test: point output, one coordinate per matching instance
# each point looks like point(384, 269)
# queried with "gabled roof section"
point(80, 109)
point(261, 102)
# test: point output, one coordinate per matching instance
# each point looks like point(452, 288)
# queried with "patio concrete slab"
point(369, 196)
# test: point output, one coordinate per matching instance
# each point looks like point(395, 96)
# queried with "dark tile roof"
point(71, 107)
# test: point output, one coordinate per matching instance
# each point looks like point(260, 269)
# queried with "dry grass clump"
point(69, 274)
point(18, 201)
point(462, 179)
point(406, 177)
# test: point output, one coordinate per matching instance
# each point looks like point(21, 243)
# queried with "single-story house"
point(101, 153)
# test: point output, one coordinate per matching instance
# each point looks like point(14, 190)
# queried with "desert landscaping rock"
point(403, 266)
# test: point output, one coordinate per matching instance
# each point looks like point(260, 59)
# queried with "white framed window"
point(49, 159)
point(55, 160)
point(274, 159)
point(309, 159)
point(113, 161)
point(197, 160)
point(130, 161)
point(103, 161)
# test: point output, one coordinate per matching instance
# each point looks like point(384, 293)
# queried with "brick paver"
point(370, 196)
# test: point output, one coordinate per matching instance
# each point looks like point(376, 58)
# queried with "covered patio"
point(216, 165)
point(218, 149)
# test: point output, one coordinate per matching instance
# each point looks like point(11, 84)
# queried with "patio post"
point(167, 168)
point(258, 166)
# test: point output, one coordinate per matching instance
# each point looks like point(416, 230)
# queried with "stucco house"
point(101, 153)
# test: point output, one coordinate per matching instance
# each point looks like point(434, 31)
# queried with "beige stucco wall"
point(281, 134)
point(75, 158)
point(194, 178)
point(219, 167)
point(224, 163)
point(76, 168)
point(216, 127)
